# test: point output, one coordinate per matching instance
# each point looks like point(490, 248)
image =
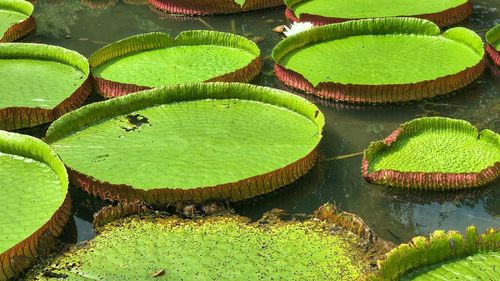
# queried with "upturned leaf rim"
point(158, 40)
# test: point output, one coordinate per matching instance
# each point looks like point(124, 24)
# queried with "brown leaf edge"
point(21, 256)
point(211, 7)
point(13, 118)
point(494, 54)
point(36, 245)
point(378, 94)
point(112, 89)
point(388, 93)
point(235, 191)
point(112, 213)
point(439, 247)
point(19, 30)
point(351, 222)
point(442, 19)
point(420, 180)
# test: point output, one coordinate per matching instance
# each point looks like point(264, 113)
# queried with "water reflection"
point(393, 214)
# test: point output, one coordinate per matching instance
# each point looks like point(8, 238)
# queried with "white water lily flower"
point(297, 27)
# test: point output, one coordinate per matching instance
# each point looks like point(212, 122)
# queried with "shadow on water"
point(396, 215)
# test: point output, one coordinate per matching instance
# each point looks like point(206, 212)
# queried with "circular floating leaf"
point(214, 248)
point(444, 256)
point(35, 200)
point(321, 12)
point(15, 19)
point(380, 60)
point(193, 142)
point(493, 44)
point(210, 7)
point(151, 60)
point(434, 153)
point(39, 83)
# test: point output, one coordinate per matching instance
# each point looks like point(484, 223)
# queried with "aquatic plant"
point(321, 12)
point(444, 256)
point(40, 83)
point(217, 247)
point(434, 153)
point(139, 62)
point(493, 44)
point(195, 142)
point(15, 19)
point(380, 60)
point(35, 201)
point(211, 7)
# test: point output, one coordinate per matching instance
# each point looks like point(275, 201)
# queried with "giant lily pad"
point(15, 19)
point(320, 12)
point(210, 7)
point(193, 142)
point(35, 202)
point(39, 83)
point(444, 256)
point(216, 248)
point(493, 44)
point(434, 153)
point(155, 59)
point(380, 60)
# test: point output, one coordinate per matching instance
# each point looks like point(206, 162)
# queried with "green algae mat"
point(211, 7)
point(155, 59)
point(34, 196)
point(212, 248)
point(493, 44)
point(39, 83)
point(15, 19)
point(434, 153)
point(380, 60)
point(320, 12)
point(444, 256)
point(195, 142)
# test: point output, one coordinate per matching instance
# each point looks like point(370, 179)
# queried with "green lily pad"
point(436, 153)
point(320, 12)
point(380, 60)
point(34, 196)
point(140, 62)
point(213, 248)
point(444, 256)
point(493, 44)
point(39, 83)
point(481, 265)
point(15, 19)
point(493, 37)
point(211, 7)
point(190, 142)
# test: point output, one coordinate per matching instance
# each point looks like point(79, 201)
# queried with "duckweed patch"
point(210, 249)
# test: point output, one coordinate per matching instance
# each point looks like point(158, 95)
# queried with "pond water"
point(395, 215)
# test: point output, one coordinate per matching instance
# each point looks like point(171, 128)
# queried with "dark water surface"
point(394, 215)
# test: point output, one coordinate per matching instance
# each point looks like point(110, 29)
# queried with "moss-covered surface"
point(215, 248)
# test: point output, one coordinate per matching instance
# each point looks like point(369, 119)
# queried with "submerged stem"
point(340, 157)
